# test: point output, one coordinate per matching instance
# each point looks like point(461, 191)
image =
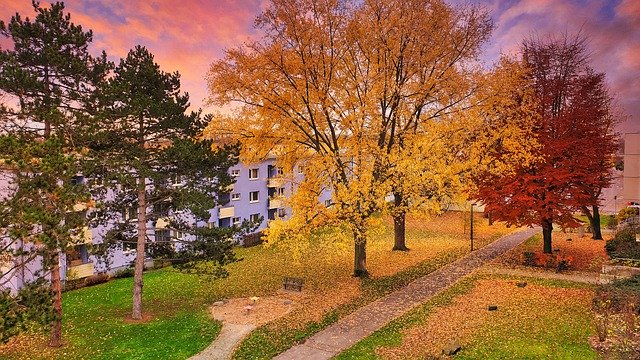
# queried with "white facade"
point(631, 174)
point(259, 191)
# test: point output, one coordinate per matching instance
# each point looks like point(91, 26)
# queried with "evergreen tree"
point(157, 182)
point(47, 80)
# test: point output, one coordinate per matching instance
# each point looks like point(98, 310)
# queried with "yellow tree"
point(339, 86)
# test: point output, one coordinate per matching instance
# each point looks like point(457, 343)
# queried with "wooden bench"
point(293, 283)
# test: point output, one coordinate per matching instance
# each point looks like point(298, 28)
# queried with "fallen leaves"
point(522, 313)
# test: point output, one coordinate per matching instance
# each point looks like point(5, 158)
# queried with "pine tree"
point(146, 160)
point(47, 80)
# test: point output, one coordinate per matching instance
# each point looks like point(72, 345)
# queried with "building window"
point(211, 225)
point(161, 208)
point(254, 218)
point(253, 174)
point(236, 221)
point(280, 191)
point(235, 172)
point(163, 235)
point(254, 196)
point(78, 255)
point(178, 235)
point(282, 213)
point(280, 171)
point(235, 196)
point(77, 180)
point(130, 213)
point(176, 180)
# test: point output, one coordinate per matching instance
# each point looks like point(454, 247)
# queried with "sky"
point(188, 35)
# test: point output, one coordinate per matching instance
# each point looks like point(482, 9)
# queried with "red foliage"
point(575, 133)
point(541, 259)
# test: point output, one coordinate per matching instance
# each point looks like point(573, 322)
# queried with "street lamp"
point(471, 227)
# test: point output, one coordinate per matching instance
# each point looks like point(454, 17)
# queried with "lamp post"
point(471, 228)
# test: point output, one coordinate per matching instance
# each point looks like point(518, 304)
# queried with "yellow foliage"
point(371, 97)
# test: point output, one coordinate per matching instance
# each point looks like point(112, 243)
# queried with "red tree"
point(576, 144)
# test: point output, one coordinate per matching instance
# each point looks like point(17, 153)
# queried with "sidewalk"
point(364, 321)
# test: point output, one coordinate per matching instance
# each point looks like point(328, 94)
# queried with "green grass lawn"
point(177, 304)
point(527, 325)
point(95, 327)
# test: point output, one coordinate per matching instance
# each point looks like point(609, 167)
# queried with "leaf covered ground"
point(178, 305)
point(587, 255)
point(543, 320)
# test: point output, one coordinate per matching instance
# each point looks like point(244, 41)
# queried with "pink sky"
point(188, 35)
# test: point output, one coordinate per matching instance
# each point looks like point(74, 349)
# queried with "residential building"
point(259, 193)
point(631, 173)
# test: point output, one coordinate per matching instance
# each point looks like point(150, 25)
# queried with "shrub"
point(96, 279)
point(540, 259)
point(10, 316)
point(31, 308)
point(123, 273)
point(252, 239)
point(615, 297)
point(627, 213)
point(624, 244)
point(612, 222)
point(528, 258)
point(564, 262)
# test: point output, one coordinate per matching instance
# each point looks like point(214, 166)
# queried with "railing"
point(79, 271)
point(275, 182)
point(275, 203)
point(226, 212)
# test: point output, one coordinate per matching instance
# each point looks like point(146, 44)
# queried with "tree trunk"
point(55, 338)
point(399, 228)
point(139, 264)
point(360, 256)
point(547, 227)
point(595, 223)
point(490, 219)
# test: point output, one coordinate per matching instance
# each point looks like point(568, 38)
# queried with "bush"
point(627, 213)
point(252, 239)
point(10, 316)
point(540, 259)
point(624, 244)
point(612, 222)
point(31, 308)
point(123, 273)
point(96, 279)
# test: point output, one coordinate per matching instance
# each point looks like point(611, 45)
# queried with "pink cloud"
point(188, 35)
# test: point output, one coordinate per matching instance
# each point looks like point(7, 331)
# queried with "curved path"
point(222, 347)
point(364, 321)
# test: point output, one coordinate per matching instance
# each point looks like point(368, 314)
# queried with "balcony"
point(79, 271)
point(226, 212)
point(85, 237)
point(275, 182)
point(162, 223)
point(276, 203)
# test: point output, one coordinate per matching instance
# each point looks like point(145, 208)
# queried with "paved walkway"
point(364, 321)
point(222, 348)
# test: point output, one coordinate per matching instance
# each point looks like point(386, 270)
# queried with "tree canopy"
point(351, 90)
point(577, 145)
point(47, 80)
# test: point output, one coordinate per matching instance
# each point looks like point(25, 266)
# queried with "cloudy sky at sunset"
point(188, 35)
